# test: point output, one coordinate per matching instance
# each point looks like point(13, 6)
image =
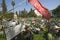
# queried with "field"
point(36, 37)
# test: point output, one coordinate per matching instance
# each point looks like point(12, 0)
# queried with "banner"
point(40, 8)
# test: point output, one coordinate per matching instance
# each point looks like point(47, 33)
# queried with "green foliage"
point(24, 13)
point(0, 13)
point(56, 11)
point(39, 37)
point(17, 13)
point(2, 37)
point(32, 13)
point(8, 16)
point(4, 7)
point(13, 3)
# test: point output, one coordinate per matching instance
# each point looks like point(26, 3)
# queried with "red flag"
point(40, 8)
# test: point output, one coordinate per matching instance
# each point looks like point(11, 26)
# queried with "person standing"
point(27, 34)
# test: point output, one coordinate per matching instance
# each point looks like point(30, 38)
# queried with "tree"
point(0, 13)
point(4, 7)
point(8, 16)
point(24, 13)
point(13, 4)
point(17, 13)
point(32, 13)
point(56, 11)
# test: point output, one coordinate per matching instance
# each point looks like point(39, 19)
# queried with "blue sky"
point(49, 4)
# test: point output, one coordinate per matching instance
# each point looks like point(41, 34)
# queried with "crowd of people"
point(51, 30)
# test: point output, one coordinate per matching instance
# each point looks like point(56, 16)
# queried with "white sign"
point(13, 31)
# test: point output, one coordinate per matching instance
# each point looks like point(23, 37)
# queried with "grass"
point(2, 37)
point(36, 37)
